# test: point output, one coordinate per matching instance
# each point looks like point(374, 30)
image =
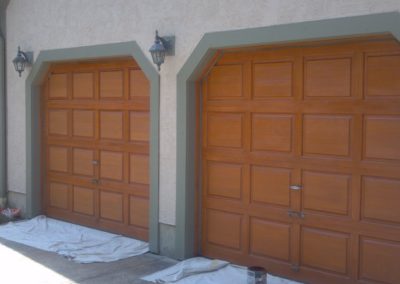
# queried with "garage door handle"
point(295, 187)
point(95, 181)
point(296, 214)
point(95, 162)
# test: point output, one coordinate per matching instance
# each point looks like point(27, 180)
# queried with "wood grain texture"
point(323, 117)
point(97, 119)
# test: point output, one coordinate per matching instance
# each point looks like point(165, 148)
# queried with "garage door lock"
point(95, 181)
point(296, 214)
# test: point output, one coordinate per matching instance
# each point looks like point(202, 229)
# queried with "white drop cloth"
point(200, 270)
point(78, 243)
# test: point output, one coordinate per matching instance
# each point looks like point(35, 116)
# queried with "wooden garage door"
point(301, 160)
point(95, 151)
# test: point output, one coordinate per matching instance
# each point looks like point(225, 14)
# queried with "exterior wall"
point(47, 24)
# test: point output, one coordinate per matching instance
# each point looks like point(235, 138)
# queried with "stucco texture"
point(38, 25)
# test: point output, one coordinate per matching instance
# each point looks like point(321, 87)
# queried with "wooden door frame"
point(33, 124)
point(186, 174)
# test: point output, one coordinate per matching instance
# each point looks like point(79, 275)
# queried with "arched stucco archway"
point(186, 91)
point(33, 82)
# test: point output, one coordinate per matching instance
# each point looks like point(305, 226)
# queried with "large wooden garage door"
point(301, 160)
point(95, 129)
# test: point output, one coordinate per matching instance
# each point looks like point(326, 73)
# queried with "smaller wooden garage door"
point(95, 150)
point(301, 160)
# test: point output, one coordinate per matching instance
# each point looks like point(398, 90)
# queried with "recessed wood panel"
point(139, 126)
point(58, 195)
point(326, 135)
point(326, 192)
point(382, 75)
point(224, 228)
point(111, 84)
point(225, 82)
point(139, 211)
point(83, 85)
point(379, 260)
point(270, 185)
point(224, 129)
point(111, 165)
point(328, 77)
point(224, 179)
point(270, 239)
point(272, 79)
point(58, 122)
point(381, 199)
point(84, 199)
point(111, 125)
point(382, 137)
point(139, 169)
point(111, 206)
point(325, 250)
point(58, 86)
point(83, 123)
point(82, 162)
point(58, 159)
point(139, 84)
point(272, 132)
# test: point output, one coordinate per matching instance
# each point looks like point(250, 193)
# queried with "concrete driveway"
point(23, 264)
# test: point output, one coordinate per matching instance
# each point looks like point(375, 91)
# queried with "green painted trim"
point(3, 157)
point(33, 82)
point(186, 108)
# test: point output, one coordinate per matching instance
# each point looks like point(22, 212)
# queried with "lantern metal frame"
point(25, 58)
point(164, 45)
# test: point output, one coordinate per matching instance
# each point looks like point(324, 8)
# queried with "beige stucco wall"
point(36, 25)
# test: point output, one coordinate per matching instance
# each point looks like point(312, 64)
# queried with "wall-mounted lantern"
point(163, 46)
point(21, 60)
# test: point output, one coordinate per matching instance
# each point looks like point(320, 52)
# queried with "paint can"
point(256, 275)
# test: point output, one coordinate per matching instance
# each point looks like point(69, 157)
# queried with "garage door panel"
point(381, 73)
point(111, 165)
point(380, 199)
point(111, 125)
point(326, 250)
point(58, 86)
point(83, 123)
point(273, 79)
point(327, 135)
point(327, 77)
point(139, 84)
point(382, 137)
point(58, 159)
point(111, 206)
point(225, 130)
point(226, 82)
point(270, 239)
point(224, 179)
point(139, 126)
point(379, 260)
point(224, 229)
point(326, 192)
point(272, 132)
point(59, 195)
point(271, 185)
point(84, 200)
point(139, 169)
point(139, 211)
point(58, 122)
point(111, 84)
point(82, 162)
point(83, 85)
